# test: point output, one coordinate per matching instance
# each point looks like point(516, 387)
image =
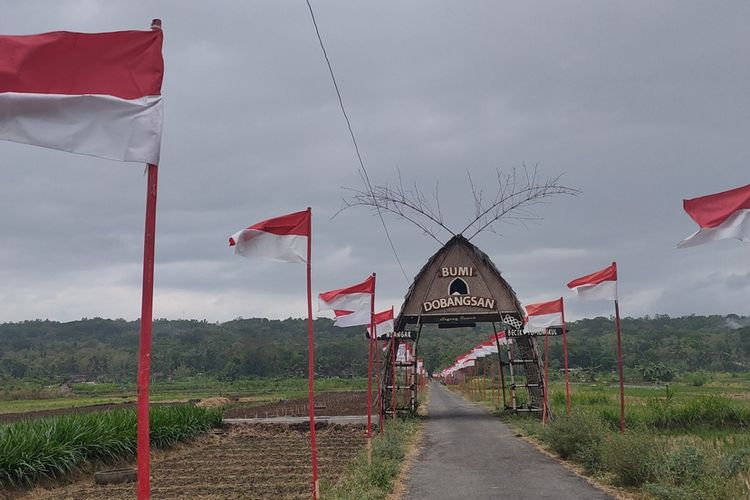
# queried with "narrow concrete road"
point(468, 453)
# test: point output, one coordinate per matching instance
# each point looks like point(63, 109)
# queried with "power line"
point(363, 172)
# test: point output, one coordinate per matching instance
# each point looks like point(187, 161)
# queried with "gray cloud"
point(639, 104)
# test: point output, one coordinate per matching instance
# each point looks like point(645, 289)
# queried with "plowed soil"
point(329, 404)
point(246, 462)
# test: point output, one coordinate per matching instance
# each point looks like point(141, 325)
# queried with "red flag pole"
point(379, 354)
point(311, 362)
point(369, 372)
point(619, 365)
point(546, 376)
point(565, 359)
point(147, 307)
point(394, 401)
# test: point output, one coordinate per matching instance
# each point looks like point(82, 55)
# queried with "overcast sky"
point(639, 104)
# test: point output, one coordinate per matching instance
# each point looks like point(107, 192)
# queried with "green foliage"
point(31, 450)
point(631, 457)
point(655, 348)
point(569, 435)
point(697, 379)
point(707, 411)
point(375, 481)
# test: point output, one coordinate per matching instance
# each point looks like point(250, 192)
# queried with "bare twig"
point(518, 191)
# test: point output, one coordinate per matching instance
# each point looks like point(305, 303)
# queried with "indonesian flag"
point(543, 315)
point(281, 238)
point(501, 338)
point(599, 285)
point(351, 298)
point(721, 216)
point(490, 347)
point(383, 323)
point(96, 94)
point(352, 318)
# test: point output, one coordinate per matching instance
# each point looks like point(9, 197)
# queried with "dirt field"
point(329, 404)
point(247, 461)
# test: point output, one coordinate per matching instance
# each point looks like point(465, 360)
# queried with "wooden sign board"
point(459, 285)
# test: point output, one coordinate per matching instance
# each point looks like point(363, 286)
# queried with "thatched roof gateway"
point(461, 286)
point(458, 285)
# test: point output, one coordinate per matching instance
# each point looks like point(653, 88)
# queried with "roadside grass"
point(49, 448)
point(682, 441)
point(261, 390)
point(363, 481)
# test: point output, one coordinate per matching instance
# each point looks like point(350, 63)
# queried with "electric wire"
point(363, 172)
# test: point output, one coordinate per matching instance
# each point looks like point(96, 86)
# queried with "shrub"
point(696, 379)
point(736, 462)
point(630, 457)
point(682, 465)
point(666, 491)
point(569, 435)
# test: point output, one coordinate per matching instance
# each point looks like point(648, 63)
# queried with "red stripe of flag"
point(291, 224)
point(125, 64)
point(551, 307)
point(712, 210)
point(607, 274)
point(367, 286)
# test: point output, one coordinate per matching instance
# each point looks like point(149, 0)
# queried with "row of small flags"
point(100, 95)
point(479, 351)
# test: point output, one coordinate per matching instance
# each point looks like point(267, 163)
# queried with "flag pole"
point(311, 361)
point(546, 376)
point(144, 349)
point(379, 353)
point(619, 365)
point(565, 358)
point(369, 373)
point(394, 401)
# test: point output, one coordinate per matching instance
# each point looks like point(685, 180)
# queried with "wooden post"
point(546, 377)
point(394, 400)
point(565, 359)
point(619, 365)
point(510, 370)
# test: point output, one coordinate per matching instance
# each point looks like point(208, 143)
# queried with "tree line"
point(654, 348)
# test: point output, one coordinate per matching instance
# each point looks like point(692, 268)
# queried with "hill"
point(105, 349)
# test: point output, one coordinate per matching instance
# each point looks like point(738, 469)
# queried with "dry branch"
point(515, 194)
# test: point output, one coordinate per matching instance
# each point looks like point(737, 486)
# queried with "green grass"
point(25, 399)
point(363, 481)
point(49, 448)
point(684, 442)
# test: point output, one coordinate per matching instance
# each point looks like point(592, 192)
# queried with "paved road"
point(468, 453)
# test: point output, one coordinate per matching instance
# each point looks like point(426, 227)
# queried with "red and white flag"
point(383, 323)
point(352, 318)
point(599, 285)
point(96, 94)
point(351, 305)
point(501, 338)
point(281, 238)
point(543, 315)
point(721, 216)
